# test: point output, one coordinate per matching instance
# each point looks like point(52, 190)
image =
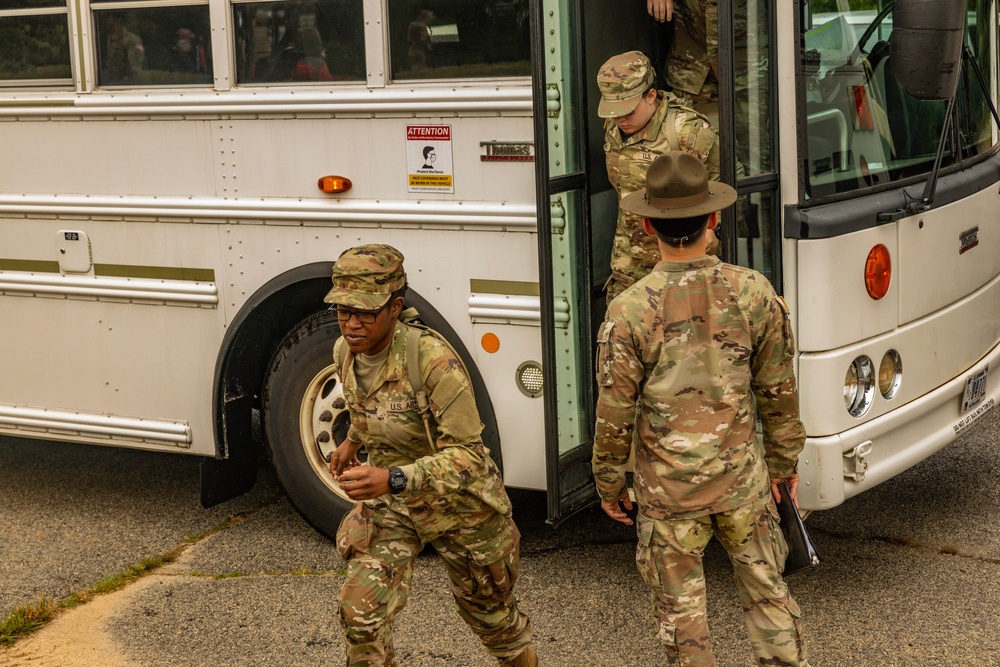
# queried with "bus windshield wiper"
point(920, 205)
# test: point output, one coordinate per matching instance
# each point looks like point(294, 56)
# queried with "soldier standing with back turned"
point(688, 359)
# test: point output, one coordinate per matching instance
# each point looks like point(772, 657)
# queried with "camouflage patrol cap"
point(365, 277)
point(622, 81)
point(677, 186)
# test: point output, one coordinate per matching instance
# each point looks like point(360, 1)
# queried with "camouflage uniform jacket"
point(634, 253)
point(452, 484)
point(126, 57)
point(695, 344)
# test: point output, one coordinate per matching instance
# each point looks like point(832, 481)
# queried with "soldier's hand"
point(344, 457)
point(365, 482)
point(661, 10)
point(793, 488)
point(613, 509)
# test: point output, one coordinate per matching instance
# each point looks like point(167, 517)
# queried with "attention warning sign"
point(428, 158)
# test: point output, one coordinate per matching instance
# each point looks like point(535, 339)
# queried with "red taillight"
point(332, 184)
point(878, 272)
point(862, 111)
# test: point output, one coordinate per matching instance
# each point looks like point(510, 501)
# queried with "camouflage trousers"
point(669, 558)
point(379, 545)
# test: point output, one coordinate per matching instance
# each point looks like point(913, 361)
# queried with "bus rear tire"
point(305, 417)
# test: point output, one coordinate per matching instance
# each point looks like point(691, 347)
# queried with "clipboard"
point(801, 552)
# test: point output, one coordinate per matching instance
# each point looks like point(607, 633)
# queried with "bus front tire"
point(305, 416)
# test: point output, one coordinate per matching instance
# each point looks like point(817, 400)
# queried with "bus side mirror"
point(920, 28)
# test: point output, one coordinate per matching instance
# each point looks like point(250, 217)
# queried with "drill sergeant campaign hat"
point(622, 81)
point(365, 277)
point(677, 188)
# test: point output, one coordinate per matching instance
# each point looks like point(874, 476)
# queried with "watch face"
point(397, 481)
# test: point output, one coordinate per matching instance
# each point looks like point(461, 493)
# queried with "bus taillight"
point(334, 184)
point(878, 272)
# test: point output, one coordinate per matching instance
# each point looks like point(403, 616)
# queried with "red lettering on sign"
point(426, 132)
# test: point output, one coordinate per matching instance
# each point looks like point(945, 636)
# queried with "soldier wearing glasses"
point(414, 492)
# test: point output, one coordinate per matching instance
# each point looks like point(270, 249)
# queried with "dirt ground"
point(76, 637)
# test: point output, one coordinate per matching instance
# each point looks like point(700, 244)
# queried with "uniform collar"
point(697, 263)
point(394, 364)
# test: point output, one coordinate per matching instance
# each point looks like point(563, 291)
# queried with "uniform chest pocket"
point(604, 357)
point(402, 425)
point(638, 165)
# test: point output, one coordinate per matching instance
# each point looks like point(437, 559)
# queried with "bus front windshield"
point(862, 129)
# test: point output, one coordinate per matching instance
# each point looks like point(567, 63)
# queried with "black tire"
point(303, 420)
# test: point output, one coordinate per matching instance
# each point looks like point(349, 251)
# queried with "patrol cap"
point(677, 186)
point(622, 80)
point(365, 276)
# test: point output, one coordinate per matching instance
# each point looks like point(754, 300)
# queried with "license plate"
point(975, 389)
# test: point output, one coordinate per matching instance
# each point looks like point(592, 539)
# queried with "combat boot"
point(525, 658)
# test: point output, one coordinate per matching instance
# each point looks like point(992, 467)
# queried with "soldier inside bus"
point(187, 54)
point(643, 123)
point(124, 55)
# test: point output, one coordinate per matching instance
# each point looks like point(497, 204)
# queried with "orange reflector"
point(331, 184)
point(878, 272)
point(490, 342)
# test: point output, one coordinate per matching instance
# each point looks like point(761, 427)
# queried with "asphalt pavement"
point(910, 572)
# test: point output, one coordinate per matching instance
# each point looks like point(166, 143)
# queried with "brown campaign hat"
point(622, 81)
point(365, 276)
point(677, 186)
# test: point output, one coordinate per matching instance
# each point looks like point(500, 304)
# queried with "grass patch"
point(123, 579)
point(306, 571)
point(25, 620)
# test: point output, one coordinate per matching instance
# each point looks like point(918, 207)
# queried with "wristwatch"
point(397, 480)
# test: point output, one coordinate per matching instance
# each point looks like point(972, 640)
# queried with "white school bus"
point(178, 177)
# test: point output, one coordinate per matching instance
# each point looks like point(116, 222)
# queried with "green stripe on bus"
point(30, 265)
point(115, 270)
point(155, 272)
point(37, 103)
point(513, 287)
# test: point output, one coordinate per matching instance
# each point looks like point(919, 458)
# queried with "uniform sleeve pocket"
point(604, 376)
point(786, 329)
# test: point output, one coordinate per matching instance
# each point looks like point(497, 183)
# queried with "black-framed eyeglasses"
point(362, 316)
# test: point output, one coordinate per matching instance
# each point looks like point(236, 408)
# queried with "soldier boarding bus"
point(178, 178)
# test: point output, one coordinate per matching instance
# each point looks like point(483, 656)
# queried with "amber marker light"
point(490, 342)
point(334, 184)
point(878, 272)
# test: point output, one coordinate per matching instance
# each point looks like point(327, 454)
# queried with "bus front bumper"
point(837, 467)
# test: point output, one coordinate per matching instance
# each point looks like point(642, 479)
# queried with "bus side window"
point(35, 39)
point(291, 41)
point(433, 39)
point(153, 46)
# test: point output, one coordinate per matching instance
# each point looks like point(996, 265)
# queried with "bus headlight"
point(859, 388)
point(890, 374)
